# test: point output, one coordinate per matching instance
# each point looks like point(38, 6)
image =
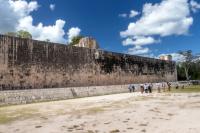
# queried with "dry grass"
point(7, 115)
point(189, 89)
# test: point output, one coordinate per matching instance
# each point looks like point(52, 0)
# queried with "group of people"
point(148, 87)
point(164, 86)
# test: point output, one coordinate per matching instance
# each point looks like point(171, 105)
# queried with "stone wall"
point(30, 64)
point(12, 97)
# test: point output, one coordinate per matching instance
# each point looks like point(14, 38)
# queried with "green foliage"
point(76, 40)
point(193, 72)
point(187, 54)
point(24, 34)
point(47, 40)
point(14, 34)
point(21, 33)
point(186, 64)
point(187, 89)
point(180, 72)
point(188, 69)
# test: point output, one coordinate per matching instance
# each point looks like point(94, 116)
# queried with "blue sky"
point(101, 19)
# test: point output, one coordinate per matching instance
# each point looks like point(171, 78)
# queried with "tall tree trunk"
point(186, 73)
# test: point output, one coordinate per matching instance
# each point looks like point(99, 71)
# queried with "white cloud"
point(123, 15)
point(169, 17)
point(138, 50)
point(175, 57)
point(12, 11)
point(194, 6)
point(52, 7)
point(16, 15)
point(23, 8)
point(160, 19)
point(133, 13)
point(55, 32)
point(139, 40)
point(73, 32)
point(127, 42)
point(8, 17)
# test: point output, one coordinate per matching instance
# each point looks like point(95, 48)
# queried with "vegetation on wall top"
point(21, 34)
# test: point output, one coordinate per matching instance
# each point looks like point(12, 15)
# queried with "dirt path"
point(124, 113)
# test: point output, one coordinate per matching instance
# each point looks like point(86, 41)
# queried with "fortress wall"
point(30, 64)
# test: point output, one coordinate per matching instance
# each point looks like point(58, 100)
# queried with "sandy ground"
point(124, 113)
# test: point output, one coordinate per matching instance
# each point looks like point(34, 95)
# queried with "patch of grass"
point(7, 115)
point(189, 89)
point(87, 111)
point(94, 110)
point(91, 111)
point(5, 119)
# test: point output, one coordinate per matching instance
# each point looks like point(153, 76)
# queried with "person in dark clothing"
point(130, 88)
point(150, 88)
point(169, 86)
point(183, 87)
point(133, 88)
point(177, 86)
point(159, 90)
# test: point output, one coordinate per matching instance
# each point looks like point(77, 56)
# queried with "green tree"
point(24, 34)
point(193, 71)
point(47, 40)
point(187, 62)
point(76, 40)
point(14, 34)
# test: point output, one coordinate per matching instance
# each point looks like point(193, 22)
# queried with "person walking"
point(142, 88)
point(159, 90)
point(163, 86)
point(146, 88)
point(133, 88)
point(150, 86)
point(130, 88)
point(169, 86)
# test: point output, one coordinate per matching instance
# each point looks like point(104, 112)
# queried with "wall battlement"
point(31, 64)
